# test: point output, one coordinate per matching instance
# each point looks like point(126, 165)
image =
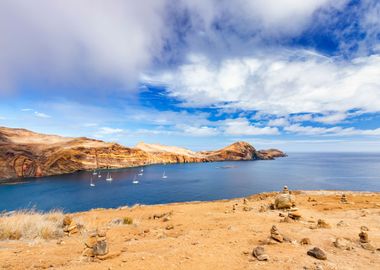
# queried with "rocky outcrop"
point(24, 153)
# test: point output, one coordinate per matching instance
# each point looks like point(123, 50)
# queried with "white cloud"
point(26, 110)
point(278, 122)
point(41, 115)
point(286, 83)
point(242, 127)
point(107, 39)
point(109, 130)
point(336, 131)
point(332, 118)
point(301, 117)
point(199, 131)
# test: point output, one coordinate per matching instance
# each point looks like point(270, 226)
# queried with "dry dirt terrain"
point(215, 235)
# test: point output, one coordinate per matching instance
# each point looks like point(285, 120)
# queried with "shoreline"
point(214, 234)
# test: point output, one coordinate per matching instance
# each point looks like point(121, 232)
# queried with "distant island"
point(24, 153)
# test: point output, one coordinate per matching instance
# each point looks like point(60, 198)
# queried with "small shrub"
point(31, 225)
point(127, 220)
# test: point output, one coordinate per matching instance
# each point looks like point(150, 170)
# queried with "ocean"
point(195, 182)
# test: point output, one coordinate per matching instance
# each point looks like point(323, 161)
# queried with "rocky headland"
point(24, 153)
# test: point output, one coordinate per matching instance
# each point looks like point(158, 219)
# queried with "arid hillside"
point(321, 230)
point(24, 153)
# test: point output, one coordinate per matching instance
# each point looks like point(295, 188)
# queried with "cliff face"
point(24, 153)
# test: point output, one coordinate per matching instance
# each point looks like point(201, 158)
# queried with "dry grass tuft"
point(31, 225)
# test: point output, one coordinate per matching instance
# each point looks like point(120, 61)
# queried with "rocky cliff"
point(24, 153)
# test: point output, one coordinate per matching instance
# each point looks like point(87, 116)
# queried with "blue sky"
point(297, 75)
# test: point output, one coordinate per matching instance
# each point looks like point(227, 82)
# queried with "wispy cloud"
point(41, 115)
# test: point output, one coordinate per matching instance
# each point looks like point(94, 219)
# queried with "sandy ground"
point(212, 235)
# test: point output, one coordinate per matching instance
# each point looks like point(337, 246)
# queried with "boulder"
point(284, 201)
point(344, 244)
point(317, 253)
point(259, 253)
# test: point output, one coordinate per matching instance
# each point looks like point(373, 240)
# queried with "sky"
point(296, 75)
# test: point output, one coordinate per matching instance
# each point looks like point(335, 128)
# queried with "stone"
point(363, 237)
point(342, 243)
point(295, 215)
point(367, 246)
point(285, 190)
point(247, 208)
point(67, 220)
point(323, 224)
point(274, 234)
point(101, 248)
point(88, 252)
point(166, 219)
point(341, 224)
point(317, 253)
point(259, 253)
point(245, 201)
point(101, 232)
point(287, 220)
point(91, 241)
point(284, 201)
point(281, 214)
point(305, 241)
point(263, 208)
point(169, 227)
point(343, 199)
point(364, 229)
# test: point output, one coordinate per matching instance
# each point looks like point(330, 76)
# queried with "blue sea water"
point(196, 182)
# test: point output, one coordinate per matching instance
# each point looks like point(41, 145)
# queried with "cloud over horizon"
point(196, 68)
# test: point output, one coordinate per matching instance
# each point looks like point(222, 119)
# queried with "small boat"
point(135, 181)
point(109, 177)
point(94, 172)
point(142, 170)
point(99, 175)
point(140, 174)
point(92, 183)
point(164, 176)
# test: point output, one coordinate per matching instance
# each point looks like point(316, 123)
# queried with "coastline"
point(214, 234)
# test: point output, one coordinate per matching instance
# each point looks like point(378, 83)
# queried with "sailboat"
point(94, 172)
point(109, 177)
point(164, 176)
point(92, 183)
point(99, 175)
point(135, 181)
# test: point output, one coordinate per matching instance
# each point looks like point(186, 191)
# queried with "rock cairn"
point(343, 199)
point(284, 200)
point(96, 245)
point(69, 226)
point(275, 234)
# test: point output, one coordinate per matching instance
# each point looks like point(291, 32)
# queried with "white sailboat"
point(94, 172)
point(99, 175)
point(91, 182)
point(164, 176)
point(135, 181)
point(109, 177)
